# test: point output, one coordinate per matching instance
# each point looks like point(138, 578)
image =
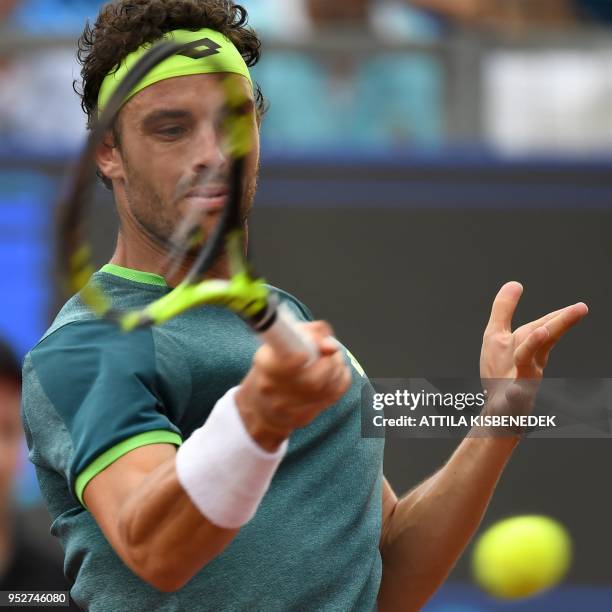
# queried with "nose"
point(209, 153)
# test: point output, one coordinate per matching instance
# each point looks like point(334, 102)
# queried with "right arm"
point(138, 501)
point(148, 518)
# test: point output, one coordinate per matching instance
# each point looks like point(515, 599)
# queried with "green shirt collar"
point(135, 275)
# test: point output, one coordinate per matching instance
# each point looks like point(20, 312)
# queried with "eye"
point(173, 131)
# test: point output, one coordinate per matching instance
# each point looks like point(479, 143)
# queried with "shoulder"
point(89, 343)
point(92, 392)
point(72, 311)
point(86, 358)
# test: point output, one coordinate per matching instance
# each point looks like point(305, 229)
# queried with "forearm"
point(430, 527)
point(162, 536)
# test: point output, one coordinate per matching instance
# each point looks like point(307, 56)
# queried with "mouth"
point(209, 198)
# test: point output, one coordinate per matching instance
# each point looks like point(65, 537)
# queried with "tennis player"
point(184, 466)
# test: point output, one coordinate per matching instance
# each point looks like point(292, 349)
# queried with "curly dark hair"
point(125, 25)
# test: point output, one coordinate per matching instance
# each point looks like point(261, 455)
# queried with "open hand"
point(518, 358)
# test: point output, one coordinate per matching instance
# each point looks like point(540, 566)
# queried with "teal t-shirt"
point(93, 393)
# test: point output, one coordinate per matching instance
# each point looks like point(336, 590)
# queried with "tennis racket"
point(243, 292)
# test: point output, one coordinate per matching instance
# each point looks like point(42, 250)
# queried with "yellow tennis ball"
point(521, 556)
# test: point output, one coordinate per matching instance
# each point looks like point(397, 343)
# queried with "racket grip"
point(286, 337)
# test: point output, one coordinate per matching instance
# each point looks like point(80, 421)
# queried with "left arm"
point(424, 533)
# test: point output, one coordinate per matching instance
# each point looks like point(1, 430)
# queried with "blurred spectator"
point(279, 20)
point(502, 14)
point(544, 99)
point(595, 11)
point(7, 7)
point(518, 13)
point(29, 560)
point(299, 20)
point(555, 101)
point(348, 99)
point(39, 112)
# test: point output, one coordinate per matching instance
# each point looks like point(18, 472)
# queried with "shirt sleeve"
point(92, 393)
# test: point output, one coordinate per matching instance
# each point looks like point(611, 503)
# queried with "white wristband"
point(223, 470)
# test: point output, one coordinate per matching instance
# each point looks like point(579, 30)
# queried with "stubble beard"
point(154, 216)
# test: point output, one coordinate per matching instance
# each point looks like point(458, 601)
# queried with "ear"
point(108, 158)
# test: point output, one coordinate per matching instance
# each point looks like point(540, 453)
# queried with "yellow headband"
point(216, 53)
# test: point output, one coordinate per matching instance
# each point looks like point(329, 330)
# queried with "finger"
point(330, 356)
point(329, 346)
point(279, 367)
point(325, 369)
point(562, 323)
point(504, 305)
point(339, 358)
point(322, 335)
point(533, 325)
point(317, 329)
point(341, 385)
point(317, 333)
point(336, 384)
point(524, 355)
point(317, 336)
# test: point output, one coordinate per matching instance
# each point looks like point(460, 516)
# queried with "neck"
point(139, 254)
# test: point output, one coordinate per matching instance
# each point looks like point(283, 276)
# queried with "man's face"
point(169, 141)
point(10, 436)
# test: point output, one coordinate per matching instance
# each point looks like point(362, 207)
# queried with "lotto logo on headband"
point(210, 48)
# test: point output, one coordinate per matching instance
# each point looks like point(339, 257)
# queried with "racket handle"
point(286, 337)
